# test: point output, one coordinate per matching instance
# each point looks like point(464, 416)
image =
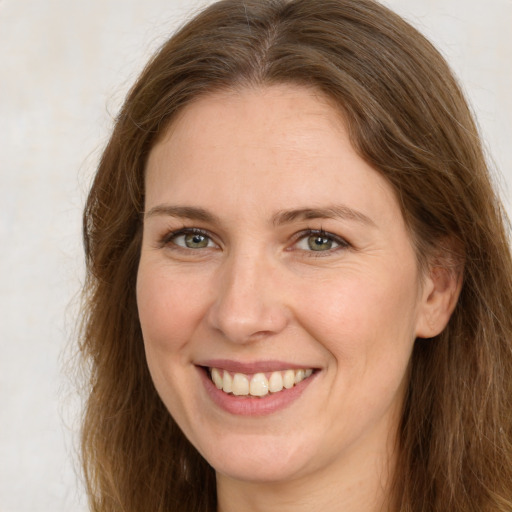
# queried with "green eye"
point(189, 239)
point(195, 241)
point(319, 243)
point(314, 241)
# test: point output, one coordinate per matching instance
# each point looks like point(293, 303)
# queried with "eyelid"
point(169, 236)
point(342, 242)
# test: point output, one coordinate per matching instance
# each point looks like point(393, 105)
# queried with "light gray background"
point(64, 69)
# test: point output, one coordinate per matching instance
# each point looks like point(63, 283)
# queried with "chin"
point(257, 472)
point(258, 461)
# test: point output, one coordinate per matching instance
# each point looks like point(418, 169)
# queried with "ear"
point(440, 292)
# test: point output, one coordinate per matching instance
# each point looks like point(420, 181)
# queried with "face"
point(278, 290)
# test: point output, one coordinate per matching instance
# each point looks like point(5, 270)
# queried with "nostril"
point(246, 326)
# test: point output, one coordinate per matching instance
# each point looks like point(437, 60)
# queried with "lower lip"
point(253, 406)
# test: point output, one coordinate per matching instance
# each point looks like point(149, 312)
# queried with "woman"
point(299, 283)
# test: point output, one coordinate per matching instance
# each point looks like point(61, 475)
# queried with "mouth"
point(255, 388)
point(257, 384)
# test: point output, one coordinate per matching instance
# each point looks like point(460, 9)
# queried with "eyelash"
point(320, 233)
point(169, 238)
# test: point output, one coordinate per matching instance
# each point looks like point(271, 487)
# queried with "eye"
point(320, 241)
point(190, 239)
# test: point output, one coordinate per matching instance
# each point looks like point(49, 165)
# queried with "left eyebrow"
point(331, 212)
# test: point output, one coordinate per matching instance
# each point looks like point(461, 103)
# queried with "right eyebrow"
point(183, 212)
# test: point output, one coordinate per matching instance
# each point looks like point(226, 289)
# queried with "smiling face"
point(269, 247)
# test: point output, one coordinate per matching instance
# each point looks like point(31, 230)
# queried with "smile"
point(258, 384)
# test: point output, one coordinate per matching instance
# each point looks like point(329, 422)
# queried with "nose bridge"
point(248, 304)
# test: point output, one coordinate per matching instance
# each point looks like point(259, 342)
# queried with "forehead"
point(286, 112)
point(273, 145)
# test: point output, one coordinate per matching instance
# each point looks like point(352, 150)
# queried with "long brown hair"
point(407, 117)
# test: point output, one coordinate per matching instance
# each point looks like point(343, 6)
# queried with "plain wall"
point(64, 69)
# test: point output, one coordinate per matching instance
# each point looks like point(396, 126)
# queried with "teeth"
point(227, 383)
point(259, 385)
point(240, 384)
point(217, 378)
point(275, 383)
point(289, 379)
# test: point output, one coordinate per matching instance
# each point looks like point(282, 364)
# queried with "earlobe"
point(441, 291)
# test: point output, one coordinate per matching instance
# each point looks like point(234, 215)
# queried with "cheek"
point(170, 311)
point(169, 314)
point(367, 323)
point(170, 308)
point(363, 309)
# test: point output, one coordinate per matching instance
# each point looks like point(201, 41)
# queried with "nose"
point(249, 304)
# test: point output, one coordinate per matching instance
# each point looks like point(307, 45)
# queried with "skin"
point(257, 291)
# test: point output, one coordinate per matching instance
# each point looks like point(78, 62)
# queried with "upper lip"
point(252, 367)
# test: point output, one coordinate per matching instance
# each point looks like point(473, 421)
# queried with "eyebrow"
point(280, 218)
point(331, 212)
point(184, 212)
